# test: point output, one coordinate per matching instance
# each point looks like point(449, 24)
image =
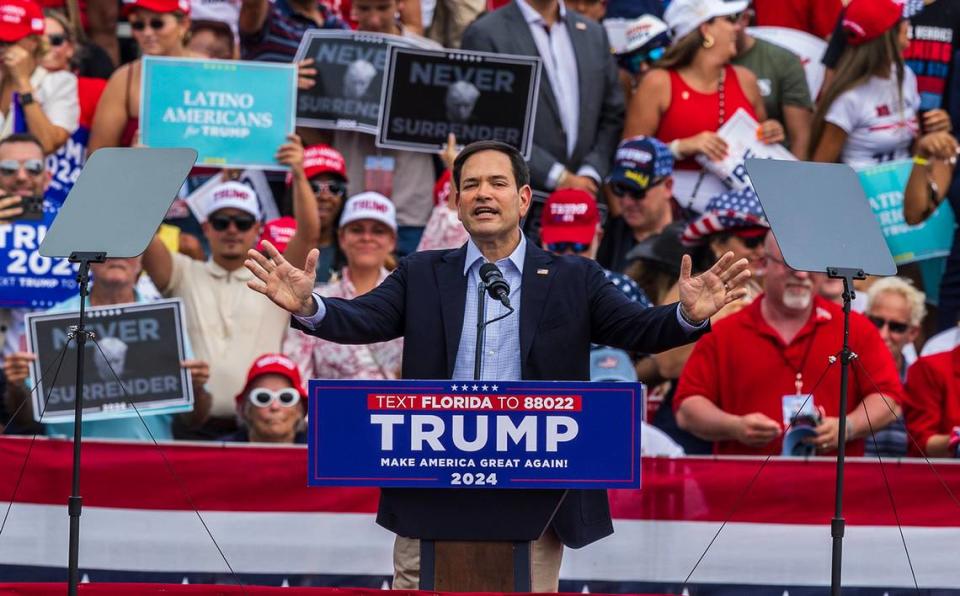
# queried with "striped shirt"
point(282, 29)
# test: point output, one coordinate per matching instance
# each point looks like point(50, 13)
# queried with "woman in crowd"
point(33, 99)
point(273, 404)
point(868, 114)
point(930, 178)
point(444, 229)
point(326, 173)
point(367, 237)
point(695, 89)
point(160, 28)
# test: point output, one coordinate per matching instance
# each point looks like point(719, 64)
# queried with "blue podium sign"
point(473, 434)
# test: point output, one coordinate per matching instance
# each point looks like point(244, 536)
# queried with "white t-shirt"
point(56, 92)
point(879, 128)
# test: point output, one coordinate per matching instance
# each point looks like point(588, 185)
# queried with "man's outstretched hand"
point(288, 287)
point(703, 296)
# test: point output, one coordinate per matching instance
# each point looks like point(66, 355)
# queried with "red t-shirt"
point(818, 17)
point(932, 404)
point(743, 366)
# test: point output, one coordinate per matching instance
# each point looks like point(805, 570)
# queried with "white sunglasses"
point(262, 397)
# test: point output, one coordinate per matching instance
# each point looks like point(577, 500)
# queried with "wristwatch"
point(26, 99)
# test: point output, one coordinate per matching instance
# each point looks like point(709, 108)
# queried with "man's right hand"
point(756, 429)
point(16, 367)
point(288, 287)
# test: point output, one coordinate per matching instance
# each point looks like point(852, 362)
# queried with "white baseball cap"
point(683, 16)
point(232, 195)
point(641, 31)
point(369, 205)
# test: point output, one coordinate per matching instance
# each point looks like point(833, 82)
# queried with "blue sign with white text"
point(474, 434)
point(26, 278)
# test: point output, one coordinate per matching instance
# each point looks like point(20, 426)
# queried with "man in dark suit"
point(563, 304)
point(580, 108)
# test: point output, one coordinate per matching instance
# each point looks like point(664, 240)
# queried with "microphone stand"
point(481, 329)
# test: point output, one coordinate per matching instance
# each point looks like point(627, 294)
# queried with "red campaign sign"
point(475, 403)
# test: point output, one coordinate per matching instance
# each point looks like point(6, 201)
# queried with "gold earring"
point(708, 42)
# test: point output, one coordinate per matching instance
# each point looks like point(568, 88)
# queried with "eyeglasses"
point(156, 24)
point(752, 242)
point(10, 167)
point(334, 188)
point(56, 39)
point(263, 397)
point(563, 247)
point(629, 192)
point(894, 326)
point(222, 222)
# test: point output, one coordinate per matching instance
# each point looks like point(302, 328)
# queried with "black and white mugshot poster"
point(138, 360)
point(474, 95)
point(350, 68)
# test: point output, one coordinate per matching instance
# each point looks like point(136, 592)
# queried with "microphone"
point(497, 287)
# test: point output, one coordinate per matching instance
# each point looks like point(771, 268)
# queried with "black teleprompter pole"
point(74, 503)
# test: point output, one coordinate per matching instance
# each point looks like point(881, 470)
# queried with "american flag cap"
point(728, 211)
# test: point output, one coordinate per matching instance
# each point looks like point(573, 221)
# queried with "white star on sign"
point(453, 388)
point(484, 387)
point(463, 387)
point(474, 388)
point(495, 387)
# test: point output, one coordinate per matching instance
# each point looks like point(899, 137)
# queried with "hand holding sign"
point(288, 287)
point(16, 367)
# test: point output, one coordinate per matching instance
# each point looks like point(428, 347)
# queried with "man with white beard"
point(747, 379)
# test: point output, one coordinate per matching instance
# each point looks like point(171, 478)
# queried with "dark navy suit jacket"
point(566, 304)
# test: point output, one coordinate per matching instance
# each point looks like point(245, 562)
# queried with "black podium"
point(473, 540)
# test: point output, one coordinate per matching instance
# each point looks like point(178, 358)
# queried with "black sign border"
point(110, 413)
point(344, 34)
point(529, 117)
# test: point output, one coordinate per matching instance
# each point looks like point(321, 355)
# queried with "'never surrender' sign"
point(474, 95)
point(464, 434)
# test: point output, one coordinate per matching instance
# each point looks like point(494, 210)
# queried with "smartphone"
point(32, 208)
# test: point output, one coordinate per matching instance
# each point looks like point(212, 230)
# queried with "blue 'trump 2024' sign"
point(460, 434)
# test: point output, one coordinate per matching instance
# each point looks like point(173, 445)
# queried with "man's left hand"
point(828, 434)
point(704, 295)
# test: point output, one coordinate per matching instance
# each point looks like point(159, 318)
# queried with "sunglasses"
point(334, 188)
point(563, 247)
point(156, 24)
point(894, 326)
point(56, 39)
point(263, 398)
point(10, 167)
point(222, 222)
point(629, 192)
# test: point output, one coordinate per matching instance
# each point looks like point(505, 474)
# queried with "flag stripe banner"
point(137, 525)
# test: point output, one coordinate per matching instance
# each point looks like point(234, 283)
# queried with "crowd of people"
point(632, 98)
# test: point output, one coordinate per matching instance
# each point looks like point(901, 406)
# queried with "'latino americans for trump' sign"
point(463, 434)
point(474, 95)
point(234, 114)
point(349, 80)
point(138, 361)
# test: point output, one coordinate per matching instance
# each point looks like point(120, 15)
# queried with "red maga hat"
point(866, 20)
point(569, 215)
point(19, 19)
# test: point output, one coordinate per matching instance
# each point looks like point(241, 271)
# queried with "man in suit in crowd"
point(580, 108)
point(563, 303)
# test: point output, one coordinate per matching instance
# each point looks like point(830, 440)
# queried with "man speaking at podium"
point(563, 303)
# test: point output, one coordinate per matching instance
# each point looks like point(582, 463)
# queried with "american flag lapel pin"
point(543, 271)
point(581, 26)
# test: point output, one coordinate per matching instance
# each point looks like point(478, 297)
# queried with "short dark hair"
point(521, 173)
point(23, 137)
